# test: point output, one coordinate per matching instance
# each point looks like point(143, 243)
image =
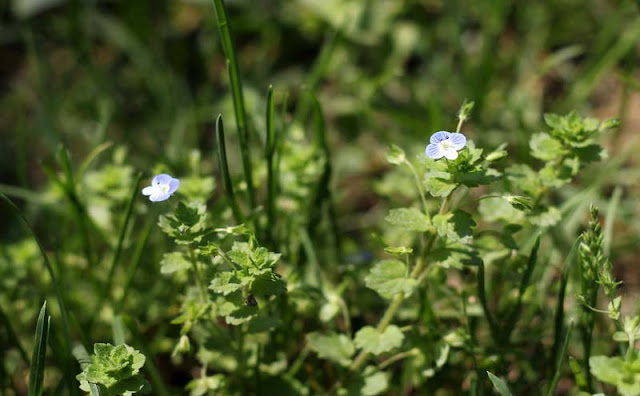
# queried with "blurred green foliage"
point(137, 85)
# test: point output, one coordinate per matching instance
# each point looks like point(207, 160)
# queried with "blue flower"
point(161, 188)
point(445, 144)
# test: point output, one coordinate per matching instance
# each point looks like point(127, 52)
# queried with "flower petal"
point(173, 185)
point(157, 197)
point(148, 190)
point(162, 178)
point(439, 136)
point(434, 151)
point(458, 140)
point(450, 153)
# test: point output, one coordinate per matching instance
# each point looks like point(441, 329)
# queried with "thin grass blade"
point(83, 358)
point(513, 317)
point(133, 266)
point(36, 371)
point(12, 337)
point(559, 315)
point(483, 302)
point(612, 209)
point(118, 329)
point(105, 291)
point(270, 150)
point(558, 366)
point(91, 157)
point(237, 95)
point(224, 172)
point(69, 370)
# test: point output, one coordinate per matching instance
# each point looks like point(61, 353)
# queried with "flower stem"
point(399, 298)
point(418, 184)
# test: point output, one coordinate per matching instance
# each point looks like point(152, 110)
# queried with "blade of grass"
point(133, 266)
point(323, 189)
point(626, 40)
point(68, 370)
point(105, 291)
point(559, 315)
point(36, 371)
point(483, 301)
point(12, 337)
point(117, 327)
point(513, 317)
point(318, 71)
point(80, 214)
point(237, 95)
point(224, 171)
point(270, 149)
point(92, 156)
point(558, 366)
point(83, 358)
point(25, 194)
point(607, 231)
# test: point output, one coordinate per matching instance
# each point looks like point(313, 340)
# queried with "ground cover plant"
point(319, 198)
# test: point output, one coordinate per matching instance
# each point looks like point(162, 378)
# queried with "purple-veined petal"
point(434, 151)
point(148, 190)
point(173, 185)
point(450, 153)
point(439, 136)
point(162, 178)
point(458, 140)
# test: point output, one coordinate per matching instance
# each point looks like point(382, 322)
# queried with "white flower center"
point(164, 188)
point(446, 145)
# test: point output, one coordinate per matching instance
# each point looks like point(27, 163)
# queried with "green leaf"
point(375, 382)
point(606, 369)
point(411, 219)
point(115, 370)
point(494, 209)
point(522, 177)
point(187, 224)
point(262, 323)
point(389, 277)
point(268, 284)
point(374, 342)
point(225, 283)
point(554, 121)
point(36, 371)
point(545, 147)
point(455, 256)
point(189, 215)
point(438, 183)
point(547, 217)
point(173, 262)
point(478, 177)
point(499, 384)
point(337, 348)
point(240, 254)
point(242, 315)
point(455, 226)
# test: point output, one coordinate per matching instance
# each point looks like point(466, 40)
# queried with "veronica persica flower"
point(445, 144)
point(161, 188)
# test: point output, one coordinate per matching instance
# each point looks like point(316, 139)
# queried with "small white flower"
point(445, 144)
point(161, 188)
